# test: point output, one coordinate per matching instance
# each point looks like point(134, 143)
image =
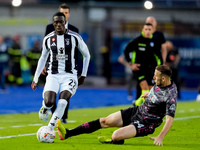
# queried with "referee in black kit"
point(160, 49)
point(143, 60)
point(65, 9)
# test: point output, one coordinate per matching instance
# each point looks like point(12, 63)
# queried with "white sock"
point(44, 106)
point(62, 103)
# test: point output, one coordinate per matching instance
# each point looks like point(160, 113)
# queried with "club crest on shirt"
point(53, 39)
point(152, 44)
point(67, 41)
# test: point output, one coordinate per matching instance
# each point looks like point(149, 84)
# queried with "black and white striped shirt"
point(63, 51)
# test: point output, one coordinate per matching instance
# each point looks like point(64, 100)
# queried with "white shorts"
point(61, 82)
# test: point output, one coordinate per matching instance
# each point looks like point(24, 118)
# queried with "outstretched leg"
point(124, 133)
point(119, 135)
point(87, 127)
point(113, 120)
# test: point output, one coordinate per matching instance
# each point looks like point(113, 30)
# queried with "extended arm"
point(86, 59)
point(122, 60)
point(40, 66)
point(129, 48)
point(127, 51)
point(145, 95)
point(158, 140)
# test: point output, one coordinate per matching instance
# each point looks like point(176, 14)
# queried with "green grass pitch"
point(18, 131)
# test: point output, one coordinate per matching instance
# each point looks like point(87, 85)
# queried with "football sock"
point(87, 127)
point(140, 100)
point(62, 103)
point(117, 142)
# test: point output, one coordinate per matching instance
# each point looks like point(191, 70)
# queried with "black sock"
point(87, 127)
point(117, 142)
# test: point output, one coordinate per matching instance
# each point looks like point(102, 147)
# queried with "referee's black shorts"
point(145, 73)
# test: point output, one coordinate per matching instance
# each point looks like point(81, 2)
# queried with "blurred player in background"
point(33, 56)
point(4, 59)
point(198, 96)
point(136, 121)
point(15, 52)
point(143, 61)
point(160, 50)
point(62, 46)
point(65, 9)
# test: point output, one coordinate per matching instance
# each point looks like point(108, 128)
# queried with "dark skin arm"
point(81, 80)
point(34, 86)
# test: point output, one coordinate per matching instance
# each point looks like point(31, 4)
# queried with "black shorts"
point(145, 73)
point(130, 116)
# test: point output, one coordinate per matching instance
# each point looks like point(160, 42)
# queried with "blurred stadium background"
point(106, 26)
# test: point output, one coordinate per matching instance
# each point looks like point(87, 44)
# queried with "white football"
point(46, 134)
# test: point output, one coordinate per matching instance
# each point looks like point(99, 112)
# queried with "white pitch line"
point(11, 136)
point(186, 118)
point(35, 124)
point(70, 121)
point(191, 110)
point(17, 126)
point(181, 111)
point(23, 126)
point(175, 119)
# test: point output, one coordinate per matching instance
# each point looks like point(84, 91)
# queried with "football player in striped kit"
point(65, 9)
point(62, 45)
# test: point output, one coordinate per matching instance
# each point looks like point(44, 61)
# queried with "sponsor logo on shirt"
point(53, 44)
point(142, 48)
point(153, 98)
point(61, 57)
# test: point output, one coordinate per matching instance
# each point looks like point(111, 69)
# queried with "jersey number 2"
point(72, 83)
